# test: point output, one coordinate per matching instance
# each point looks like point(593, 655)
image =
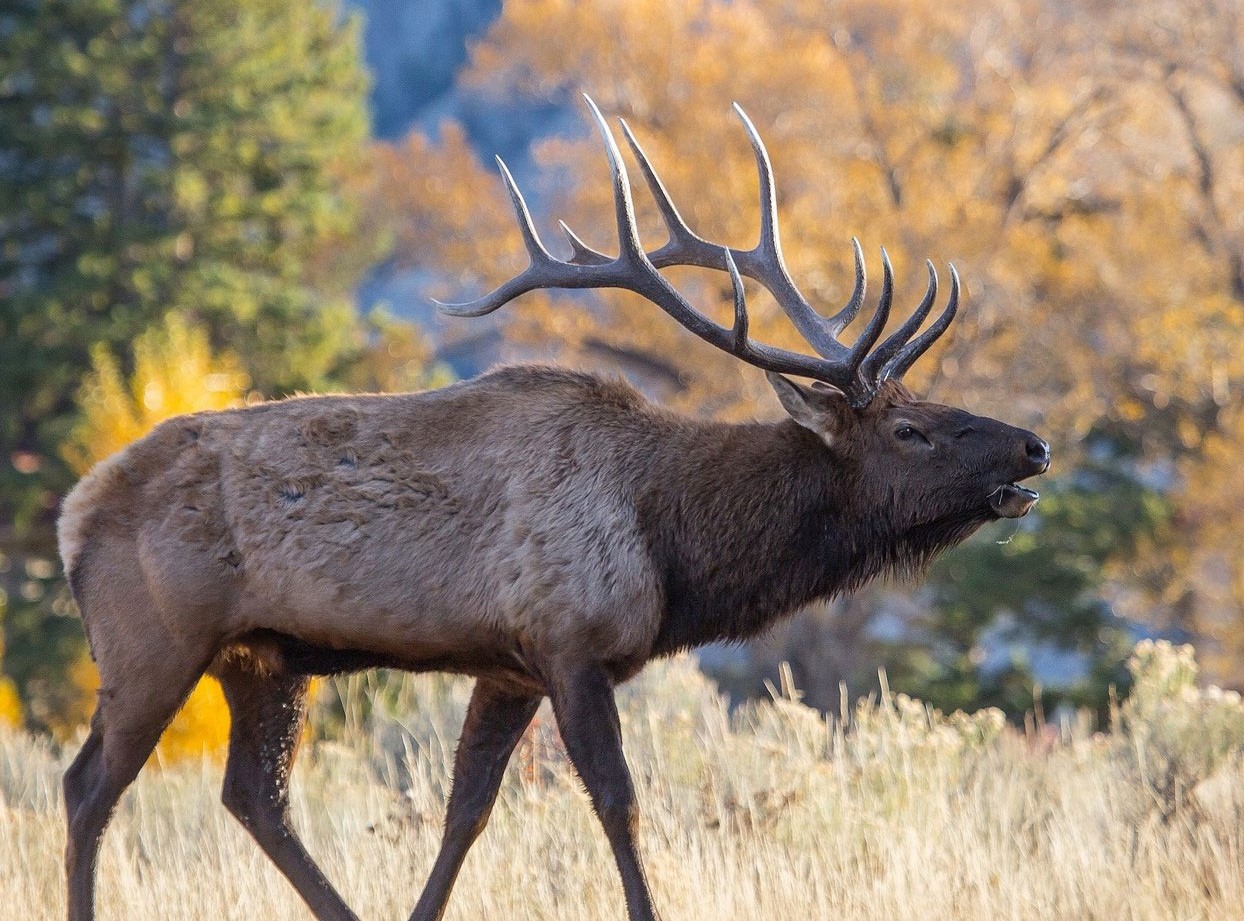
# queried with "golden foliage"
point(10, 704)
point(396, 357)
point(175, 372)
point(1080, 164)
point(947, 129)
point(430, 196)
point(997, 134)
point(201, 727)
point(1205, 572)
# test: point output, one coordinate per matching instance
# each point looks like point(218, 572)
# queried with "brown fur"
point(543, 530)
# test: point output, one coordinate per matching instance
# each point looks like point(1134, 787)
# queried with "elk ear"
point(822, 410)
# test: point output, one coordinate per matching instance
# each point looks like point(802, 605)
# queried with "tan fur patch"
point(82, 500)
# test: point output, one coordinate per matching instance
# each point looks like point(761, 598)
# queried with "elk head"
point(919, 465)
point(935, 467)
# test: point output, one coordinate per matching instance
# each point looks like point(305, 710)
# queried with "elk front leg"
point(495, 721)
point(266, 720)
point(587, 717)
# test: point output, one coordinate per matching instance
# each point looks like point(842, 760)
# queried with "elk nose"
point(1038, 452)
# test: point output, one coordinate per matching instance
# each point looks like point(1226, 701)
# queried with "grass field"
point(771, 812)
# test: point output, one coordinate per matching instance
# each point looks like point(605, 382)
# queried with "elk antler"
point(857, 370)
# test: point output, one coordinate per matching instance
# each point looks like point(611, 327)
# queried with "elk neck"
point(748, 523)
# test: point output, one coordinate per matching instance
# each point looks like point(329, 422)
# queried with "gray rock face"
point(414, 49)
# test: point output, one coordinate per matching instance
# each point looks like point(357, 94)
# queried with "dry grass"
point(770, 813)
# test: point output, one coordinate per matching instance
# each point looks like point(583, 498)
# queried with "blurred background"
point(210, 202)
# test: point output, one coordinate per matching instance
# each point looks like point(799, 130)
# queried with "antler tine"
point(535, 248)
point(583, 254)
point(624, 207)
point(898, 365)
point(766, 264)
point(881, 355)
point(637, 273)
point(770, 238)
point(544, 271)
point(872, 332)
point(838, 322)
point(685, 246)
point(741, 322)
point(529, 279)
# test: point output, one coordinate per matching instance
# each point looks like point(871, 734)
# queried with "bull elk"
point(543, 531)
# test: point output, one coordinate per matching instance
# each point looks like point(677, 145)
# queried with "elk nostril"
point(1038, 451)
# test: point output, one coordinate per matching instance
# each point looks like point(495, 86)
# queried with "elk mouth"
point(1011, 500)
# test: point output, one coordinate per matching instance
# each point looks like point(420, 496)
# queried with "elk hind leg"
point(80, 773)
point(267, 713)
point(138, 697)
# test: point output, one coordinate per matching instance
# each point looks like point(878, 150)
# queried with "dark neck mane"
point(749, 523)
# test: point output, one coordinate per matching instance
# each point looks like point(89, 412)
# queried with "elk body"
point(544, 531)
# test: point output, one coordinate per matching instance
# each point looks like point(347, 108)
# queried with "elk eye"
point(908, 432)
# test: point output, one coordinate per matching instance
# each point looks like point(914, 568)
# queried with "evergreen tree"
point(1006, 597)
point(179, 155)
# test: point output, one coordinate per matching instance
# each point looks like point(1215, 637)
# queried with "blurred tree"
point(949, 129)
point(174, 372)
point(200, 728)
point(977, 643)
point(193, 155)
point(430, 196)
point(1202, 579)
point(396, 356)
point(10, 704)
point(169, 156)
point(1184, 63)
